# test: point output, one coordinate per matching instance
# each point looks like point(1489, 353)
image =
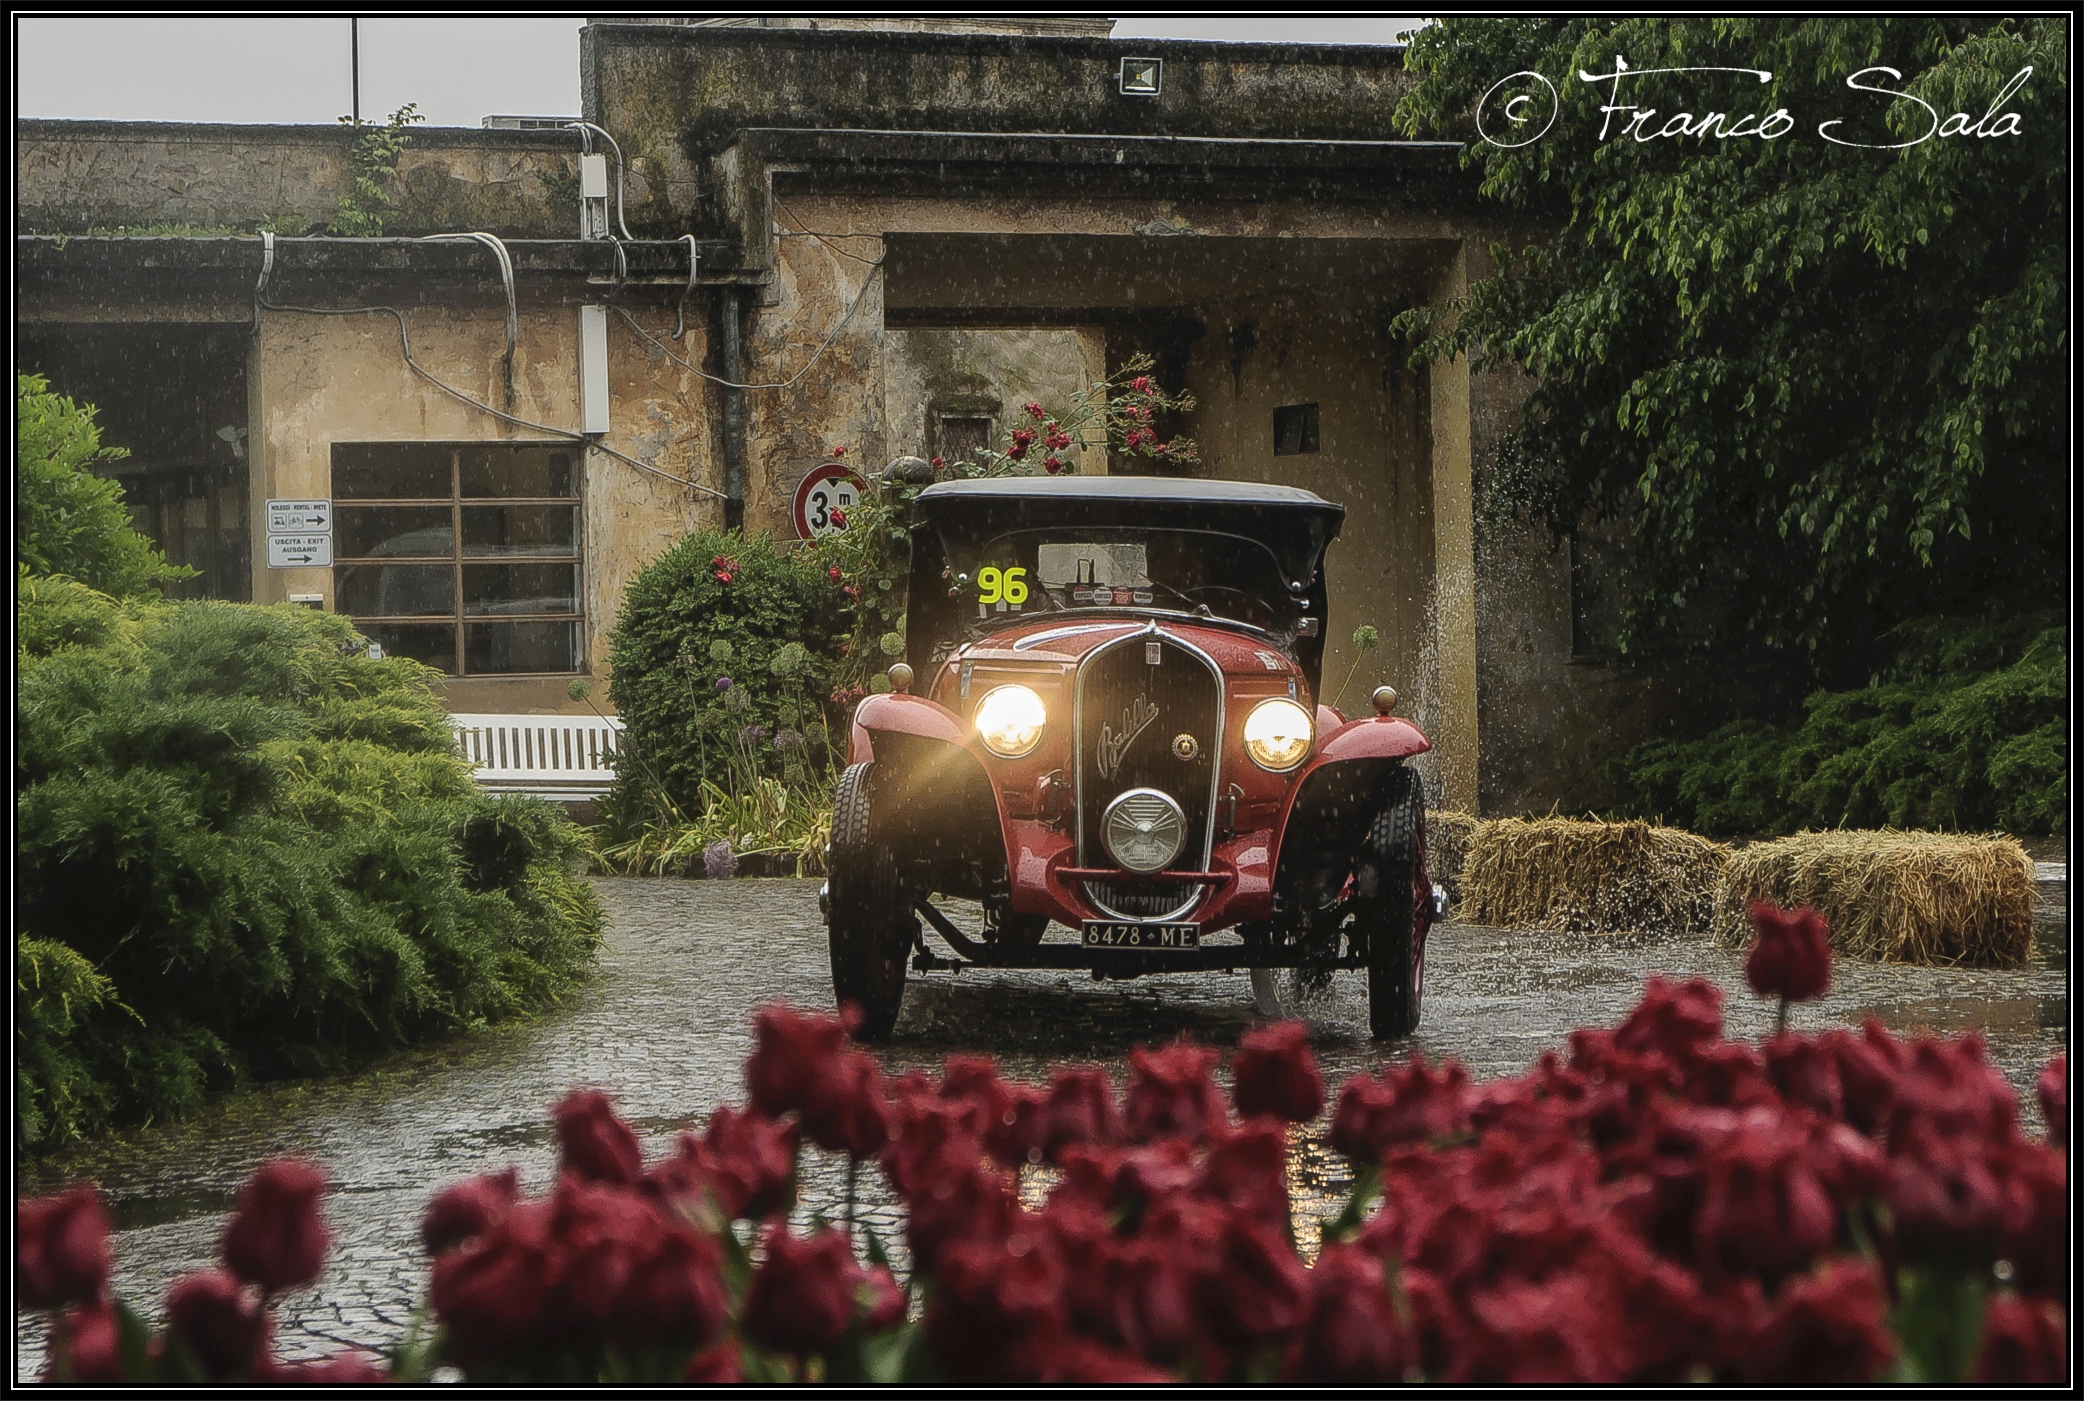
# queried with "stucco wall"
point(321, 380)
point(72, 176)
point(992, 372)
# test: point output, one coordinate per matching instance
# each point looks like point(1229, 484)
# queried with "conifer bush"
point(1964, 731)
point(247, 850)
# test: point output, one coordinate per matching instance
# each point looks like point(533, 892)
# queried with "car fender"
point(1341, 777)
point(904, 715)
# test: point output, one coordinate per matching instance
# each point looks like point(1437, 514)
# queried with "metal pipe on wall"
point(734, 408)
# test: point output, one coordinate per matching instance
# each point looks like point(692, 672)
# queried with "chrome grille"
point(1129, 712)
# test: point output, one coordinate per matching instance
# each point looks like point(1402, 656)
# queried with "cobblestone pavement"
point(665, 1027)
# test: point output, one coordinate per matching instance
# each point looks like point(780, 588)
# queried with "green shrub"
point(69, 521)
point(1964, 731)
point(717, 607)
point(264, 850)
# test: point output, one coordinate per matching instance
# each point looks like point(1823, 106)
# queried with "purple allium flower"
point(718, 861)
point(723, 683)
point(786, 740)
point(753, 736)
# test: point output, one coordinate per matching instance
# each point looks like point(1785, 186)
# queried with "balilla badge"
point(1136, 718)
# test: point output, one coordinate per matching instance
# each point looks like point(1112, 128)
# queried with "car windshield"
point(1080, 568)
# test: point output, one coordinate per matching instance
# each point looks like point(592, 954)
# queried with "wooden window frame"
point(460, 620)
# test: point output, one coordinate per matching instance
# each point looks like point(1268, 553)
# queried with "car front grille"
point(1132, 713)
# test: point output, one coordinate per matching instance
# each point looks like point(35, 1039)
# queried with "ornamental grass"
point(1896, 897)
point(1575, 876)
point(1658, 1206)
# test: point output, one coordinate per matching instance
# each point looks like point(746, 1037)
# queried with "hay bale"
point(1581, 877)
point(1447, 847)
point(1897, 897)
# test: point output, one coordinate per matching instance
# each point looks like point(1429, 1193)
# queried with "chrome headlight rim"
point(1012, 692)
point(1309, 731)
point(1173, 811)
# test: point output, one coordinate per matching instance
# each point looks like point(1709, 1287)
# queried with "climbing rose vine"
point(1658, 1205)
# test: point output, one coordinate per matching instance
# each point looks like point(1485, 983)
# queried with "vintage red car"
point(1111, 724)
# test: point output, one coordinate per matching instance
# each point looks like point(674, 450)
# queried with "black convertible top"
point(956, 517)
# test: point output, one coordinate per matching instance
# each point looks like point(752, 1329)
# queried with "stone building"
point(891, 238)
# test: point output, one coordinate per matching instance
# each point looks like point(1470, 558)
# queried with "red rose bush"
point(1658, 1205)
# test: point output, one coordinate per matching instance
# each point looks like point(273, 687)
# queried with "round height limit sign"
point(824, 498)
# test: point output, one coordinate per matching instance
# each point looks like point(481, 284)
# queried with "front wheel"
point(1385, 905)
point(869, 924)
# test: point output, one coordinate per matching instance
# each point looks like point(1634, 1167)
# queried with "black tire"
point(870, 925)
point(1385, 908)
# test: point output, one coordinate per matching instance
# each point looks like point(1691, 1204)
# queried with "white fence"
point(550, 756)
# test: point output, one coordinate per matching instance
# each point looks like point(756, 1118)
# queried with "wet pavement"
point(665, 1027)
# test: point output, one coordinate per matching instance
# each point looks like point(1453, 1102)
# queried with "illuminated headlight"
point(1009, 721)
point(1278, 734)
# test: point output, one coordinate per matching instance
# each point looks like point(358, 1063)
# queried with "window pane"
point(514, 647)
point(520, 588)
point(517, 471)
point(432, 643)
point(394, 590)
point(393, 532)
point(520, 530)
point(396, 470)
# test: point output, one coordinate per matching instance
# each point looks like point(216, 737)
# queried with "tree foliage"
point(244, 849)
point(1965, 730)
point(68, 520)
point(1826, 386)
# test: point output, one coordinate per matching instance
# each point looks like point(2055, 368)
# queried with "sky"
point(457, 70)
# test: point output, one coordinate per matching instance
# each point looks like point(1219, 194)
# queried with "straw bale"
point(1897, 897)
point(1447, 847)
point(1576, 876)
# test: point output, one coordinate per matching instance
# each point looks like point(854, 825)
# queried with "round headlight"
point(1009, 721)
point(1278, 734)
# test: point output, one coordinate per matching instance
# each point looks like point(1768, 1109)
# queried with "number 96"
point(1002, 586)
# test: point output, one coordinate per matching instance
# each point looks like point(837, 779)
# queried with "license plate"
point(1098, 934)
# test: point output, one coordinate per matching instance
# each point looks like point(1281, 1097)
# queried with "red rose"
point(89, 1342)
point(219, 1320)
point(494, 1294)
point(1052, 465)
point(1274, 1073)
point(1141, 384)
point(675, 1295)
point(752, 1160)
point(882, 1302)
point(2053, 1088)
point(61, 1249)
point(1034, 411)
point(938, 464)
point(839, 452)
point(1349, 1335)
point(1170, 1091)
point(834, 573)
point(1826, 1329)
point(1792, 957)
point(1411, 1103)
point(717, 1365)
point(276, 1238)
point(1249, 1171)
point(2024, 1343)
point(592, 1143)
point(1018, 451)
point(839, 520)
point(801, 1299)
point(607, 1234)
point(848, 1115)
point(468, 1209)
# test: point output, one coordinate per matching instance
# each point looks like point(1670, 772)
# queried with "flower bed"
point(1658, 1205)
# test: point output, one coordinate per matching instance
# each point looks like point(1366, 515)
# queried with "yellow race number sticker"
point(1002, 586)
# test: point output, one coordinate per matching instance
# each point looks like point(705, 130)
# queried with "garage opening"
point(174, 396)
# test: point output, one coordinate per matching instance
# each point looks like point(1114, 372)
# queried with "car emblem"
point(1186, 747)
point(1136, 718)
